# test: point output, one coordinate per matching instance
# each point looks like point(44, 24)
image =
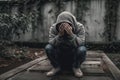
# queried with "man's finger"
point(60, 26)
point(67, 27)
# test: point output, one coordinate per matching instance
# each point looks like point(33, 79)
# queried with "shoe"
point(77, 72)
point(53, 72)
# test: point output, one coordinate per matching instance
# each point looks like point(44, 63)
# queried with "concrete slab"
point(26, 75)
point(42, 76)
point(88, 66)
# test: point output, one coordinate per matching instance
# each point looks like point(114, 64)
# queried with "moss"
point(110, 20)
point(81, 9)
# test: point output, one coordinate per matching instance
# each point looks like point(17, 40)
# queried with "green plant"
point(81, 10)
point(12, 25)
point(110, 19)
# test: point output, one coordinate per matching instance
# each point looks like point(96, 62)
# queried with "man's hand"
point(65, 27)
point(61, 30)
point(68, 28)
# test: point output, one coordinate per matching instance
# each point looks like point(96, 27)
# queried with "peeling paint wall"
point(93, 20)
point(118, 25)
point(48, 15)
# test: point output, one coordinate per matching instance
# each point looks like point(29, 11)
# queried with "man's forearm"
point(56, 40)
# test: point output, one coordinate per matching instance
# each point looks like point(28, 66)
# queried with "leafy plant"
point(14, 25)
point(110, 19)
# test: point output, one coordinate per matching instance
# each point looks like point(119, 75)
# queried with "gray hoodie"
point(74, 40)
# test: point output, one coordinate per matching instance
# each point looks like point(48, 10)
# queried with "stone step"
point(93, 59)
point(91, 63)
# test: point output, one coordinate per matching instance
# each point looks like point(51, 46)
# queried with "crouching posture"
point(66, 44)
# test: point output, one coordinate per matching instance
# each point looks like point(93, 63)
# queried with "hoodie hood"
point(67, 17)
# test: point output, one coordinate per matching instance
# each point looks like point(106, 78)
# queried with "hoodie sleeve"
point(54, 38)
point(79, 37)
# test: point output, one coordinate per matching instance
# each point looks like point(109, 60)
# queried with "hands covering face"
point(65, 27)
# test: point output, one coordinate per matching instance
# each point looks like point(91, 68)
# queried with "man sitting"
point(66, 44)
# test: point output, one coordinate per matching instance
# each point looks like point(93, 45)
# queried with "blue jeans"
point(72, 57)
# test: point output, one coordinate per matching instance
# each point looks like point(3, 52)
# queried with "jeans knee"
point(49, 48)
point(82, 50)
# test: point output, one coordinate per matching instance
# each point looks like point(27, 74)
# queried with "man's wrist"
point(72, 37)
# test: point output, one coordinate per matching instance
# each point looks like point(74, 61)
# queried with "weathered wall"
point(48, 12)
point(93, 19)
point(118, 25)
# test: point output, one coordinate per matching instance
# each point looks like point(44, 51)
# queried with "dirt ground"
point(8, 63)
point(115, 57)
